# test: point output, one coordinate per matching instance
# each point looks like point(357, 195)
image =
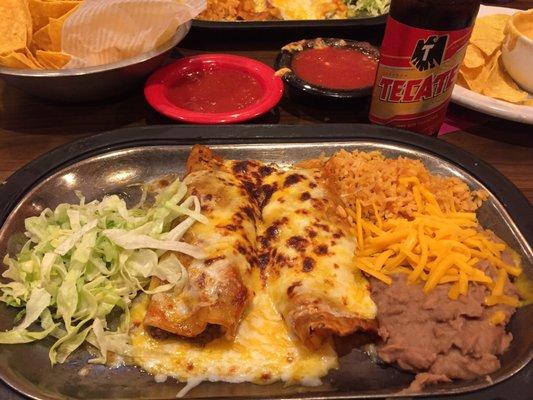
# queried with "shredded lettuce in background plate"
point(82, 261)
point(372, 8)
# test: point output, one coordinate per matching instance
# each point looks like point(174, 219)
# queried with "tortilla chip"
point(34, 60)
point(42, 11)
point(502, 85)
point(17, 60)
point(42, 40)
point(52, 60)
point(488, 33)
point(528, 102)
point(476, 78)
point(48, 38)
point(461, 81)
point(15, 26)
point(29, 22)
point(474, 57)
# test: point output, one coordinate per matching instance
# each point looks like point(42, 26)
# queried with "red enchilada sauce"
point(335, 68)
point(215, 90)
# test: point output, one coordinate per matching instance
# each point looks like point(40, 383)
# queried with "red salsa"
point(335, 68)
point(215, 90)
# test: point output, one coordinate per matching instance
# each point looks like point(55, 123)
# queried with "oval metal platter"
point(116, 162)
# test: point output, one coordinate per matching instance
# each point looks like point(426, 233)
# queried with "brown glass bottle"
point(423, 47)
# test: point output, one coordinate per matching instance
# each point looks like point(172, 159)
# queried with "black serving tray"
point(145, 152)
point(267, 26)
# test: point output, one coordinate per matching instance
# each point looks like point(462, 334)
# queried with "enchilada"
point(307, 255)
point(218, 291)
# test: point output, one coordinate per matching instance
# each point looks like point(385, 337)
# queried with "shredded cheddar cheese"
point(436, 246)
point(497, 318)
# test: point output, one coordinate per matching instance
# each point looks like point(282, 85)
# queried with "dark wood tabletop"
point(30, 127)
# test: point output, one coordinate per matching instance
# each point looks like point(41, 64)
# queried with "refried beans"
point(435, 337)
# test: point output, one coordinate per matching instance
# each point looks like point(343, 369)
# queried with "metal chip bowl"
point(92, 83)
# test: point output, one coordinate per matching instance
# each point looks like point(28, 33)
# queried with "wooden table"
point(30, 127)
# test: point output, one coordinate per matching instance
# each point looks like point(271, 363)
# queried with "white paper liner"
point(105, 31)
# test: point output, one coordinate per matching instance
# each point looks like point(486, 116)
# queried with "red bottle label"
point(416, 74)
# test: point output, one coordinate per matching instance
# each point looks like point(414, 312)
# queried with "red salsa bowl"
point(214, 89)
point(329, 68)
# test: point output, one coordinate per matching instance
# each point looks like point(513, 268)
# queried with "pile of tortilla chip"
point(482, 70)
point(30, 33)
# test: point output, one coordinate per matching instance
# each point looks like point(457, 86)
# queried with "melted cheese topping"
point(262, 352)
point(331, 273)
point(264, 349)
point(216, 292)
point(223, 201)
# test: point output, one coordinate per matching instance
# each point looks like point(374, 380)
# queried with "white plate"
point(488, 105)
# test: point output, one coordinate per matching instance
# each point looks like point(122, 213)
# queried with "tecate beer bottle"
point(423, 47)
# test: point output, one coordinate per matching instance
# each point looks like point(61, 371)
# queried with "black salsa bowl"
point(311, 94)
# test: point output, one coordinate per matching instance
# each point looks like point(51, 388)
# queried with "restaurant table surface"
point(29, 127)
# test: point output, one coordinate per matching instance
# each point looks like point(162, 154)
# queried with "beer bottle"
point(423, 47)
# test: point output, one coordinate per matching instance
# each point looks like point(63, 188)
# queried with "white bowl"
point(517, 50)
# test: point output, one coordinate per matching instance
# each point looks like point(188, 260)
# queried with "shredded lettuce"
point(82, 261)
point(371, 8)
